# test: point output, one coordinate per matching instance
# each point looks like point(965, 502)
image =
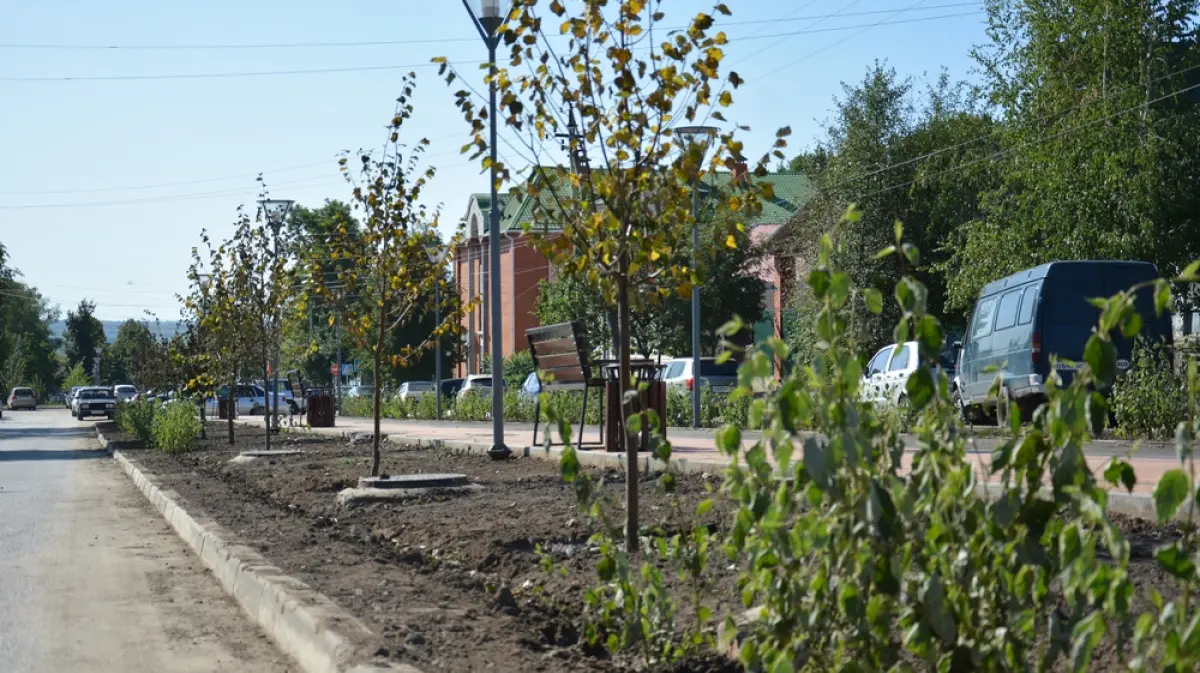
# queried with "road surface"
point(91, 579)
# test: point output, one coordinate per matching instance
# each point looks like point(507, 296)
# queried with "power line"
point(240, 176)
point(1029, 143)
point(371, 68)
point(999, 129)
point(391, 43)
point(862, 30)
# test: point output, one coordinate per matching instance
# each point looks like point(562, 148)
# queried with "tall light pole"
point(700, 137)
point(276, 212)
point(487, 23)
point(437, 255)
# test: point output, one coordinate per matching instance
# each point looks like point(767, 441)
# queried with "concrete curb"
point(304, 623)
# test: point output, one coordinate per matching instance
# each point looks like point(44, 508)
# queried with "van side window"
point(1006, 315)
point(900, 359)
point(983, 319)
point(1028, 300)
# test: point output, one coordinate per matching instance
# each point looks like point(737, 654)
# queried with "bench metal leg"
point(582, 419)
point(537, 417)
point(603, 394)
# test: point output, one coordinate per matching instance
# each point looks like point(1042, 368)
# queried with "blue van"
point(1022, 321)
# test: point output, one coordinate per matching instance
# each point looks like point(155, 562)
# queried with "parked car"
point(720, 377)
point(70, 398)
point(885, 379)
point(415, 390)
point(22, 398)
point(125, 393)
point(249, 400)
point(287, 397)
point(480, 384)
point(95, 401)
point(1024, 321)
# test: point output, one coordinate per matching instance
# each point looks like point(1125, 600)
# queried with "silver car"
point(721, 378)
point(125, 393)
point(22, 398)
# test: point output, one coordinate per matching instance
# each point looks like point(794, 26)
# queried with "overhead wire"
point(391, 43)
point(371, 68)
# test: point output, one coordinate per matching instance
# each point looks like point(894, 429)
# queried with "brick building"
point(523, 268)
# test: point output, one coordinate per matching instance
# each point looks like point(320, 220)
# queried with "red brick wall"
point(532, 269)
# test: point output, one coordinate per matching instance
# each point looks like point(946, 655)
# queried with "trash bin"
point(223, 409)
point(320, 409)
point(652, 397)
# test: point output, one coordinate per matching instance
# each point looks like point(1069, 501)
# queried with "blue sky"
point(105, 184)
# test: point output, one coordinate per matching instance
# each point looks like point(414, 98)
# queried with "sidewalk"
point(697, 447)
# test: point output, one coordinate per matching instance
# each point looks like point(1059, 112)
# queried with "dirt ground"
point(449, 582)
point(452, 582)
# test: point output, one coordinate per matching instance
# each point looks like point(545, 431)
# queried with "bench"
point(563, 361)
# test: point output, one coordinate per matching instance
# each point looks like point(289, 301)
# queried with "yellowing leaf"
point(731, 242)
point(654, 255)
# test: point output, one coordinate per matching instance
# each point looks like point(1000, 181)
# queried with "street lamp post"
point(702, 137)
point(437, 255)
point(488, 22)
point(276, 212)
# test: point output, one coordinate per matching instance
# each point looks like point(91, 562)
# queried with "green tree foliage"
point(85, 336)
point(76, 377)
point(1101, 150)
point(389, 275)
point(898, 154)
point(624, 225)
point(310, 342)
point(130, 352)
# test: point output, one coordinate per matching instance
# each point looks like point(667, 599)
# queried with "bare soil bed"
point(452, 581)
point(447, 581)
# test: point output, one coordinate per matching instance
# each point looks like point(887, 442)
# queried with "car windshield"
point(23, 392)
point(126, 389)
point(94, 394)
point(411, 386)
point(486, 382)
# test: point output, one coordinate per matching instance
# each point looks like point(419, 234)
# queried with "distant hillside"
point(111, 327)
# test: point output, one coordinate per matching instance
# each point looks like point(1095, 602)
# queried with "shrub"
point(860, 560)
point(137, 418)
point(358, 406)
point(176, 427)
point(517, 368)
point(1151, 399)
point(473, 406)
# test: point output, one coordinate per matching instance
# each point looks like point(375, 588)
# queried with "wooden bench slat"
point(551, 332)
point(558, 360)
point(561, 375)
point(553, 347)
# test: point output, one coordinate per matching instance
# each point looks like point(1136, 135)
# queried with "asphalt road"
point(91, 579)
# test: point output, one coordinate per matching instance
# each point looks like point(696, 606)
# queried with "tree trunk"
point(203, 420)
point(378, 378)
point(267, 398)
point(631, 448)
point(231, 403)
point(614, 329)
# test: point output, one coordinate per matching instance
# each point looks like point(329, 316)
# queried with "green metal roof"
point(791, 192)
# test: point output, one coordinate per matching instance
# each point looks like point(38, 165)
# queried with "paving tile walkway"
point(1150, 460)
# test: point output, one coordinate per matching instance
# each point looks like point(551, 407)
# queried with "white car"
point(250, 400)
point(721, 377)
point(125, 393)
point(415, 390)
point(97, 401)
point(480, 384)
